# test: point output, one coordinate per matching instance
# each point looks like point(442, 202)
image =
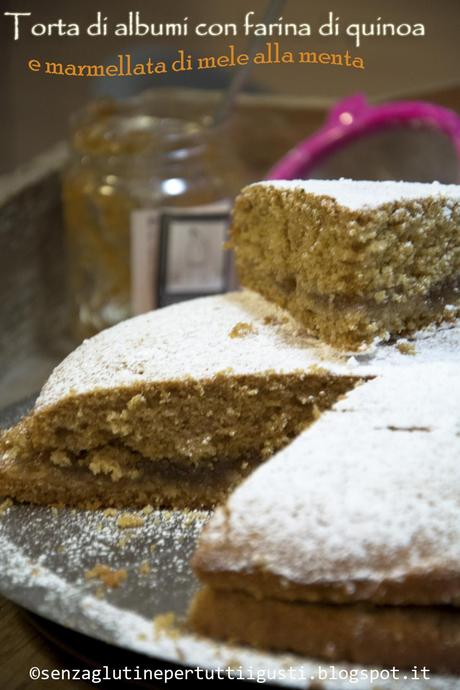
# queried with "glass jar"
point(147, 195)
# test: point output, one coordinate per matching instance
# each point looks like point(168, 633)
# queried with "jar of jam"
point(147, 195)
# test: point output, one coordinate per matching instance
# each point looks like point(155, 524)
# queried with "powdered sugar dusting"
point(179, 342)
point(362, 194)
point(150, 348)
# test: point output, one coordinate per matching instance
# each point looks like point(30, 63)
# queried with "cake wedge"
point(172, 408)
point(346, 545)
point(354, 261)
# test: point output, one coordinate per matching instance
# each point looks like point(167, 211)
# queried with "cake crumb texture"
point(352, 260)
point(241, 330)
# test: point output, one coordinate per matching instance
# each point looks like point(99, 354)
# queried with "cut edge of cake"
point(383, 636)
point(353, 261)
point(127, 419)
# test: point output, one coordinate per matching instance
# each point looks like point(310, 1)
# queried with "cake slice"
point(171, 408)
point(346, 545)
point(352, 260)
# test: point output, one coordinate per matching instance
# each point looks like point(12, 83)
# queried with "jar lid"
point(156, 120)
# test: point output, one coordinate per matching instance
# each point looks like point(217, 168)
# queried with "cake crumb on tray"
point(108, 576)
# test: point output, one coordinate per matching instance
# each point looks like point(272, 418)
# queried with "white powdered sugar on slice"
point(184, 341)
point(369, 194)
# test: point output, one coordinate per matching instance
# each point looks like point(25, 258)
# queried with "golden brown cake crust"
point(384, 636)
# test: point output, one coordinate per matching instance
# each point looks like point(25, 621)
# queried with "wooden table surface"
point(23, 646)
point(27, 640)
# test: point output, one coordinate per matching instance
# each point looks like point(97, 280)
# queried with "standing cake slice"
point(352, 260)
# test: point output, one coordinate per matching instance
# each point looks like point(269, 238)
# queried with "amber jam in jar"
point(147, 195)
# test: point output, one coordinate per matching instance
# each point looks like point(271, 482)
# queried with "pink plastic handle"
point(353, 117)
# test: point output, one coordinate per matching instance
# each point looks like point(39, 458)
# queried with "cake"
point(337, 539)
point(346, 544)
point(171, 408)
point(354, 261)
